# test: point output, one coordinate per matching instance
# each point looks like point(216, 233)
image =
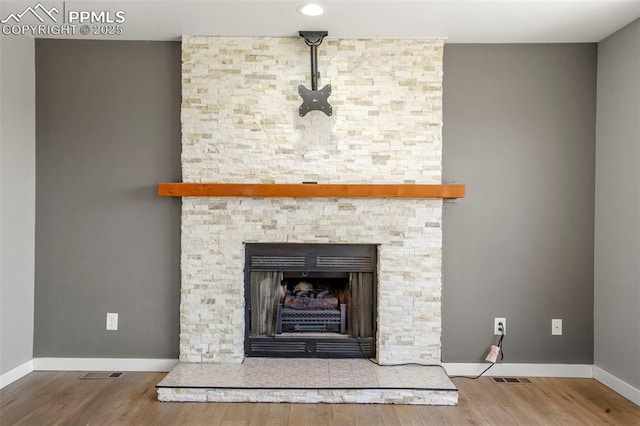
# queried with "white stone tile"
point(386, 129)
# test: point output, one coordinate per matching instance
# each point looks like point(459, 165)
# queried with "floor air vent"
point(94, 375)
point(511, 380)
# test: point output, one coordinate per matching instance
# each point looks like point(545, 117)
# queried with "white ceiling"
point(459, 21)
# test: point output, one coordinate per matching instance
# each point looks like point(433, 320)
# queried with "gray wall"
point(519, 131)
point(108, 130)
point(617, 218)
point(17, 200)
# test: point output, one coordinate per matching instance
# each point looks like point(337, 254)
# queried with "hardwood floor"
point(45, 398)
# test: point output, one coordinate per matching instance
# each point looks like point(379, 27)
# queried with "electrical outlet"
point(496, 326)
point(112, 321)
point(556, 327)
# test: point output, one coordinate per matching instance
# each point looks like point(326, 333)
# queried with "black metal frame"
point(314, 99)
point(301, 347)
point(305, 346)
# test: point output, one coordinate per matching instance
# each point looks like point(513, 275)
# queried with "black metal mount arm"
point(314, 99)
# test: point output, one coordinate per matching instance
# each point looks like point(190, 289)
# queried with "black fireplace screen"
point(310, 300)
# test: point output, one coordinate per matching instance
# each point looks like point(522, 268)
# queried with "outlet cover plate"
point(556, 327)
point(496, 330)
point(112, 321)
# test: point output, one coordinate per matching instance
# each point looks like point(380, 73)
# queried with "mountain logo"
point(39, 11)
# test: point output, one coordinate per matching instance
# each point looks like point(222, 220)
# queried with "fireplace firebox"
point(310, 300)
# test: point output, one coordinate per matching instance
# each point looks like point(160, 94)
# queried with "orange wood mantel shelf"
point(304, 190)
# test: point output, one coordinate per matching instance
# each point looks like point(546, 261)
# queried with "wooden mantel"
point(304, 190)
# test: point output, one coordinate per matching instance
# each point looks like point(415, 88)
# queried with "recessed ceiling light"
point(311, 9)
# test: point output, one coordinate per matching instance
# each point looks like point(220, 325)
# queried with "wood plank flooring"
point(48, 398)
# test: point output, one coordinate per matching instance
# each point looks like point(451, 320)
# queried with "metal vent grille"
point(348, 349)
point(277, 262)
point(101, 375)
point(272, 347)
point(511, 380)
point(312, 347)
point(345, 263)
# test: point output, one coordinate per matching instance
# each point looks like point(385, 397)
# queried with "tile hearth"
point(308, 380)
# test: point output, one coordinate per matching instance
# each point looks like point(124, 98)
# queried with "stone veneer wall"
point(240, 124)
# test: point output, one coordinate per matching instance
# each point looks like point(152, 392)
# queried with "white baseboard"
point(103, 364)
point(525, 370)
point(452, 369)
point(16, 373)
point(617, 385)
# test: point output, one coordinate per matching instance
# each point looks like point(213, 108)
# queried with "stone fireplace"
point(240, 125)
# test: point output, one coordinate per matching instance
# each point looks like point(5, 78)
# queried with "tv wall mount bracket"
point(314, 99)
